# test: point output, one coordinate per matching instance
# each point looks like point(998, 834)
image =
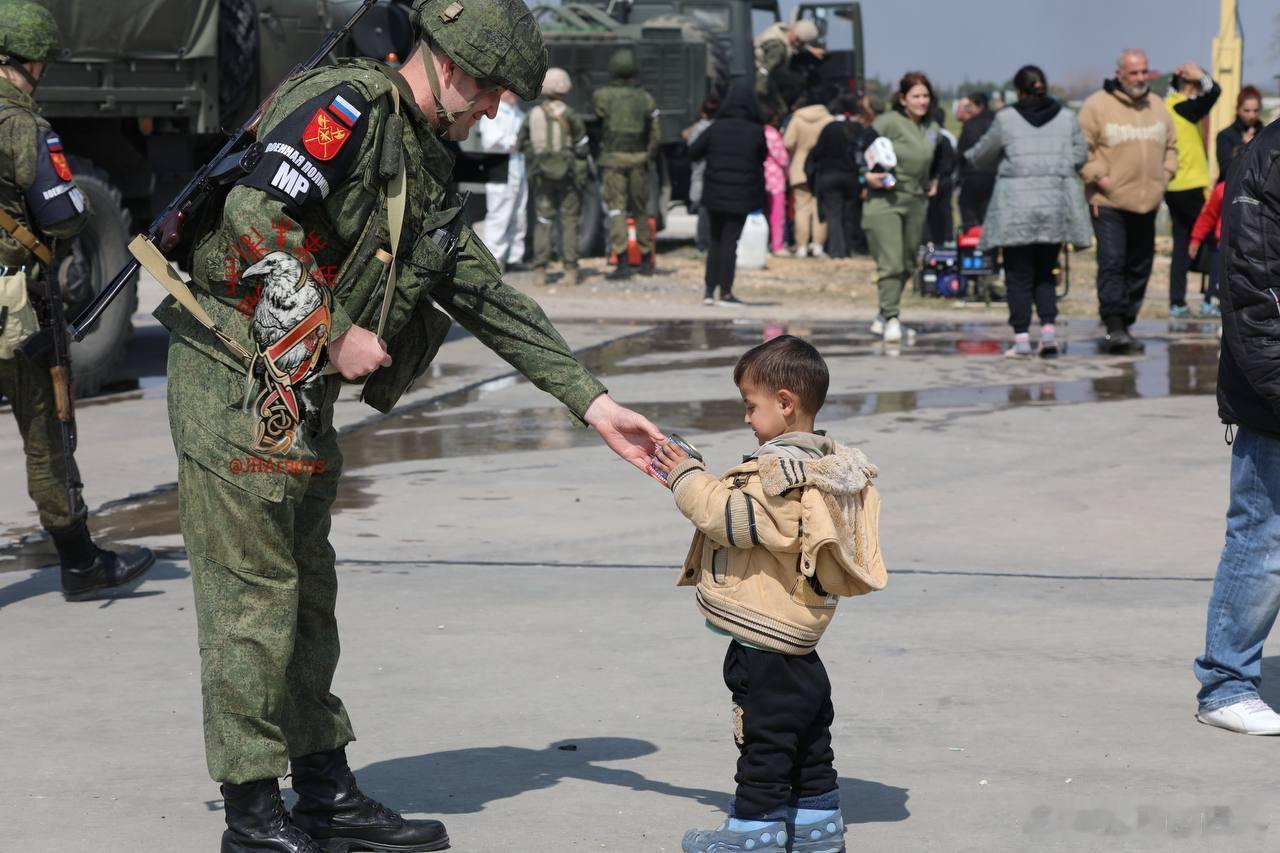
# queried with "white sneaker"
point(892, 331)
point(1249, 716)
point(708, 301)
point(817, 251)
point(877, 325)
point(801, 252)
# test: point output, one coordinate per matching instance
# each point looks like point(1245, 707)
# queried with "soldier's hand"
point(628, 434)
point(358, 352)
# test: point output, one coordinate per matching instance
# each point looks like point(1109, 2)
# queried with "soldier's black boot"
point(258, 823)
point(646, 265)
point(338, 815)
point(622, 271)
point(88, 570)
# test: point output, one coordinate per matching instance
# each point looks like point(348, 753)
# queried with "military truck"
point(686, 49)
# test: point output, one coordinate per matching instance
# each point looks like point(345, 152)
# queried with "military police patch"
point(324, 136)
point(312, 149)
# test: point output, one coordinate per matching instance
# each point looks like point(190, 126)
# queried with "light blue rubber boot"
point(735, 836)
point(818, 832)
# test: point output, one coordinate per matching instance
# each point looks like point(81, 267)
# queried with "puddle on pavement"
point(442, 427)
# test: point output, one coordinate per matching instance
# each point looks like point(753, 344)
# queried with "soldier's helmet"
point(496, 41)
point(557, 83)
point(805, 31)
point(623, 63)
point(28, 32)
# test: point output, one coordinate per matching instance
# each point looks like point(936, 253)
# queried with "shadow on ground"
point(47, 581)
point(465, 781)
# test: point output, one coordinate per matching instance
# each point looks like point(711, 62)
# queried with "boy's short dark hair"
point(786, 362)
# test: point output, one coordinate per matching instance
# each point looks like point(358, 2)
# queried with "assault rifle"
point(238, 157)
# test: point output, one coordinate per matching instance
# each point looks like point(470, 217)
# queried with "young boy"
point(779, 539)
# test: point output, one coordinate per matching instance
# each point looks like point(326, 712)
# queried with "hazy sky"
point(989, 39)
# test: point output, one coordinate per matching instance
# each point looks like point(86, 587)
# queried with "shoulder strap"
point(23, 235)
point(395, 220)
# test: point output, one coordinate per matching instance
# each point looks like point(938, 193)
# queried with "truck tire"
point(96, 254)
point(237, 59)
point(718, 68)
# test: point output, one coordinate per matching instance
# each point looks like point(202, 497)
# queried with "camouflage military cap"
point(495, 41)
point(28, 31)
point(623, 63)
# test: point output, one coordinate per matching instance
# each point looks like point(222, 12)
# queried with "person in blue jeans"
point(1246, 589)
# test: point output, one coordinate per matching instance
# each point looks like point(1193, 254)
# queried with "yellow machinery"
point(1228, 61)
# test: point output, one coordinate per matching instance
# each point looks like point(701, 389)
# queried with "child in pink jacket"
point(775, 184)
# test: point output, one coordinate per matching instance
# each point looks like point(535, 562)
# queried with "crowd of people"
point(852, 175)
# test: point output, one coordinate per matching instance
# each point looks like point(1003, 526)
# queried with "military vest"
point(626, 126)
point(549, 136)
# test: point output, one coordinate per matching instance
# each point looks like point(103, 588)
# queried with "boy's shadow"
point(465, 781)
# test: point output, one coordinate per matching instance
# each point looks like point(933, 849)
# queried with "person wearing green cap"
point(39, 193)
point(632, 133)
point(335, 249)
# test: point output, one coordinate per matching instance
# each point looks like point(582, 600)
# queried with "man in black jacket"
point(976, 184)
point(1246, 589)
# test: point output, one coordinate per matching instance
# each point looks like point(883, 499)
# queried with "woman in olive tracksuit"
point(894, 218)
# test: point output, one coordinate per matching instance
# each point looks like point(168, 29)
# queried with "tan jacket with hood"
point(802, 134)
point(780, 539)
point(1133, 144)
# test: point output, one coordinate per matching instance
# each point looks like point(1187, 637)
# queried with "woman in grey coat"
point(1038, 203)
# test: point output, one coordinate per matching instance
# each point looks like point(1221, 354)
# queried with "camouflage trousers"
point(264, 578)
point(30, 393)
point(552, 198)
point(626, 193)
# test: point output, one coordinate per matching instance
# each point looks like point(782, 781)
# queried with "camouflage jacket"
point(319, 194)
point(36, 186)
point(630, 118)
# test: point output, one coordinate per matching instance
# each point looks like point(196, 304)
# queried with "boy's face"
point(767, 412)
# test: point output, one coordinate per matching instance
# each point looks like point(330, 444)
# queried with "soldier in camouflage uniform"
point(38, 190)
point(630, 142)
point(553, 141)
point(338, 141)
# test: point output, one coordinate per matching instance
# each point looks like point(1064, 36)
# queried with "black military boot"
point(646, 265)
point(337, 814)
point(88, 570)
point(622, 271)
point(258, 823)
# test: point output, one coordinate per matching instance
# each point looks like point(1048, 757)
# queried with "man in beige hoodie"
point(1133, 154)
point(802, 134)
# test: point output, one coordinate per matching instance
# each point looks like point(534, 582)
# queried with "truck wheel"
point(718, 68)
point(96, 254)
point(592, 240)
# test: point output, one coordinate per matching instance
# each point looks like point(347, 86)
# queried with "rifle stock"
point(235, 158)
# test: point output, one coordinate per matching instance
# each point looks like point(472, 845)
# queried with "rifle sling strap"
point(155, 263)
point(23, 235)
point(395, 212)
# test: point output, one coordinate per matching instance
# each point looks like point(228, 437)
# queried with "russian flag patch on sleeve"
point(345, 112)
point(59, 160)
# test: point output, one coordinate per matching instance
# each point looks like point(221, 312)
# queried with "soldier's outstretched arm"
point(514, 326)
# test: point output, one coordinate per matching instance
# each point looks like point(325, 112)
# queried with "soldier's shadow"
point(465, 781)
point(46, 582)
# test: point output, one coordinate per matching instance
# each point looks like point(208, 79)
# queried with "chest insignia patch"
point(324, 135)
point(58, 158)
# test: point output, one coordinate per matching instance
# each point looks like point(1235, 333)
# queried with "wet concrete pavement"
point(1051, 528)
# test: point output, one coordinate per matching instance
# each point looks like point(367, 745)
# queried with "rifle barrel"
point(90, 315)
